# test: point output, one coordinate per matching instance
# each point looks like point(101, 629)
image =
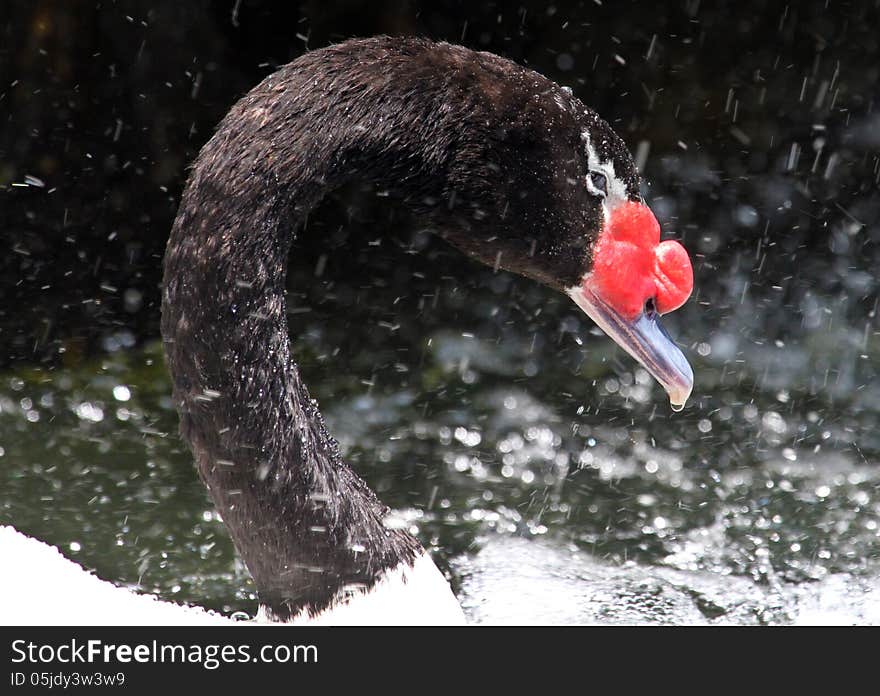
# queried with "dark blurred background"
point(756, 123)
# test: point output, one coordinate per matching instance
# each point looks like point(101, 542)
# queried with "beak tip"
point(680, 390)
point(678, 400)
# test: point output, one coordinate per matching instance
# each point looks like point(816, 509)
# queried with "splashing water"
point(754, 507)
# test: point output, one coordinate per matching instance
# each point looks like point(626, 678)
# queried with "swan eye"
point(599, 182)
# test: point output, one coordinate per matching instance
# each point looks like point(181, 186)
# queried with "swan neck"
point(305, 524)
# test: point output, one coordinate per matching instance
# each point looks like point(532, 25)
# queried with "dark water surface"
point(544, 469)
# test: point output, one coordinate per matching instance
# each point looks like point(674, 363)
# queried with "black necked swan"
point(503, 164)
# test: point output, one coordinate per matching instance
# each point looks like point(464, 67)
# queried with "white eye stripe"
point(616, 187)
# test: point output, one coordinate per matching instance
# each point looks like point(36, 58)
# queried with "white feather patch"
point(616, 187)
point(39, 586)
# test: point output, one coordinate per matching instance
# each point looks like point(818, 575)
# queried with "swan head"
point(551, 192)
